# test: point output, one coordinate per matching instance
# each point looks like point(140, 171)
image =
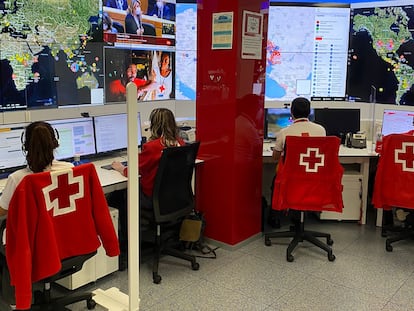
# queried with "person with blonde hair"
point(133, 20)
point(164, 133)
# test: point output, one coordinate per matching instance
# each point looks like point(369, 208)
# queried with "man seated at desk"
point(301, 126)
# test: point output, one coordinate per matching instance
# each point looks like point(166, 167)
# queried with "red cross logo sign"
point(312, 160)
point(162, 88)
point(61, 194)
point(405, 156)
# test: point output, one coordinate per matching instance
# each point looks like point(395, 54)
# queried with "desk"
point(356, 165)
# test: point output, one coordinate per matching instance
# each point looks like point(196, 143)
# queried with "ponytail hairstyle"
point(163, 126)
point(39, 143)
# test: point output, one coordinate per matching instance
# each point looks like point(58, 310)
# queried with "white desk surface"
point(343, 151)
point(111, 180)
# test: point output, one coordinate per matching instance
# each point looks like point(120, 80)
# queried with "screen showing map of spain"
point(307, 51)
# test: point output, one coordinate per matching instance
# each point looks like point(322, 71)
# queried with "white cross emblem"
point(55, 200)
point(407, 156)
point(312, 160)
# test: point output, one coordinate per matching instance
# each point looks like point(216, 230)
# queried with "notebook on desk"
point(109, 166)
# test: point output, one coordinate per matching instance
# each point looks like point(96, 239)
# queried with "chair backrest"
point(395, 172)
point(173, 196)
point(149, 29)
point(309, 175)
point(53, 216)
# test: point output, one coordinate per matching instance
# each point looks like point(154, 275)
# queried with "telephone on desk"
point(357, 140)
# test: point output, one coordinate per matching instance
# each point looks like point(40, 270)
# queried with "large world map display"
point(381, 58)
point(46, 50)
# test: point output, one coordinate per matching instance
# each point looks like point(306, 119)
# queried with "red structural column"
point(229, 117)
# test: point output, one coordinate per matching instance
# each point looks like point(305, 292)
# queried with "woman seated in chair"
point(39, 143)
point(164, 133)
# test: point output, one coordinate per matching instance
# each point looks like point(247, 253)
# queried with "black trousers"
point(119, 199)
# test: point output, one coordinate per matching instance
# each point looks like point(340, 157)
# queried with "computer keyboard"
point(109, 166)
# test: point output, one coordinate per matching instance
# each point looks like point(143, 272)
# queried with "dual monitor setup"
point(86, 136)
point(339, 121)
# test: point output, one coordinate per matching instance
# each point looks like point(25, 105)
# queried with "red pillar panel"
point(229, 119)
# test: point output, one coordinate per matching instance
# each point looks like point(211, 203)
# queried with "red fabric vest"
point(394, 178)
point(309, 175)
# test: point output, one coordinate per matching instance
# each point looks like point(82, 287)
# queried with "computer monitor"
point(111, 132)
point(397, 121)
point(11, 154)
point(338, 121)
point(76, 137)
point(277, 119)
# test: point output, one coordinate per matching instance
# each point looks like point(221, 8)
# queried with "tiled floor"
point(255, 277)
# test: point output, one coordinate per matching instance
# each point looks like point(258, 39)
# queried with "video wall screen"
point(186, 51)
point(307, 57)
point(151, 70)
point(139, 22)
point(46, 53)
point(381, 52)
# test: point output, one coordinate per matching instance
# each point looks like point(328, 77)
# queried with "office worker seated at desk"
point(39, 143)
point(164, 133)
point(301, 126)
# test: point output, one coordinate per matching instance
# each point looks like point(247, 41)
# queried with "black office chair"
point(308, 179)
point(393, 186)
point(173, 200)
point(149, 29)
point(118, 26)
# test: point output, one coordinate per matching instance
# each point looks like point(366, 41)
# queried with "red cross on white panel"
point(162, 88)
point(405, 156)
point(312, 160)
point(61, 194)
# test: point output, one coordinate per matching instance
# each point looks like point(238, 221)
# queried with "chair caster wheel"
point(195, 266)
point(156, 278)
point(331, 257)
point(290, 258)
point(388, 247)
point(329, 242)
point(90, 304)
point(268, 242)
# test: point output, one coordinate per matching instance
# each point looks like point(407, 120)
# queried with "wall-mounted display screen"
point(307, 57)
point(43, 49)
point(186, 51)
point(151, 70)
point(139, 22)
point(381, 52)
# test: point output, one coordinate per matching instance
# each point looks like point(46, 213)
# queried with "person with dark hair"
point(161, 9)
point(117, 4)
point(39, 144)
point(301, 126)
point(300, 110)
point(164, 133)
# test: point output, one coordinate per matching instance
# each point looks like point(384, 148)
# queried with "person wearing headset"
point(38, 142)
